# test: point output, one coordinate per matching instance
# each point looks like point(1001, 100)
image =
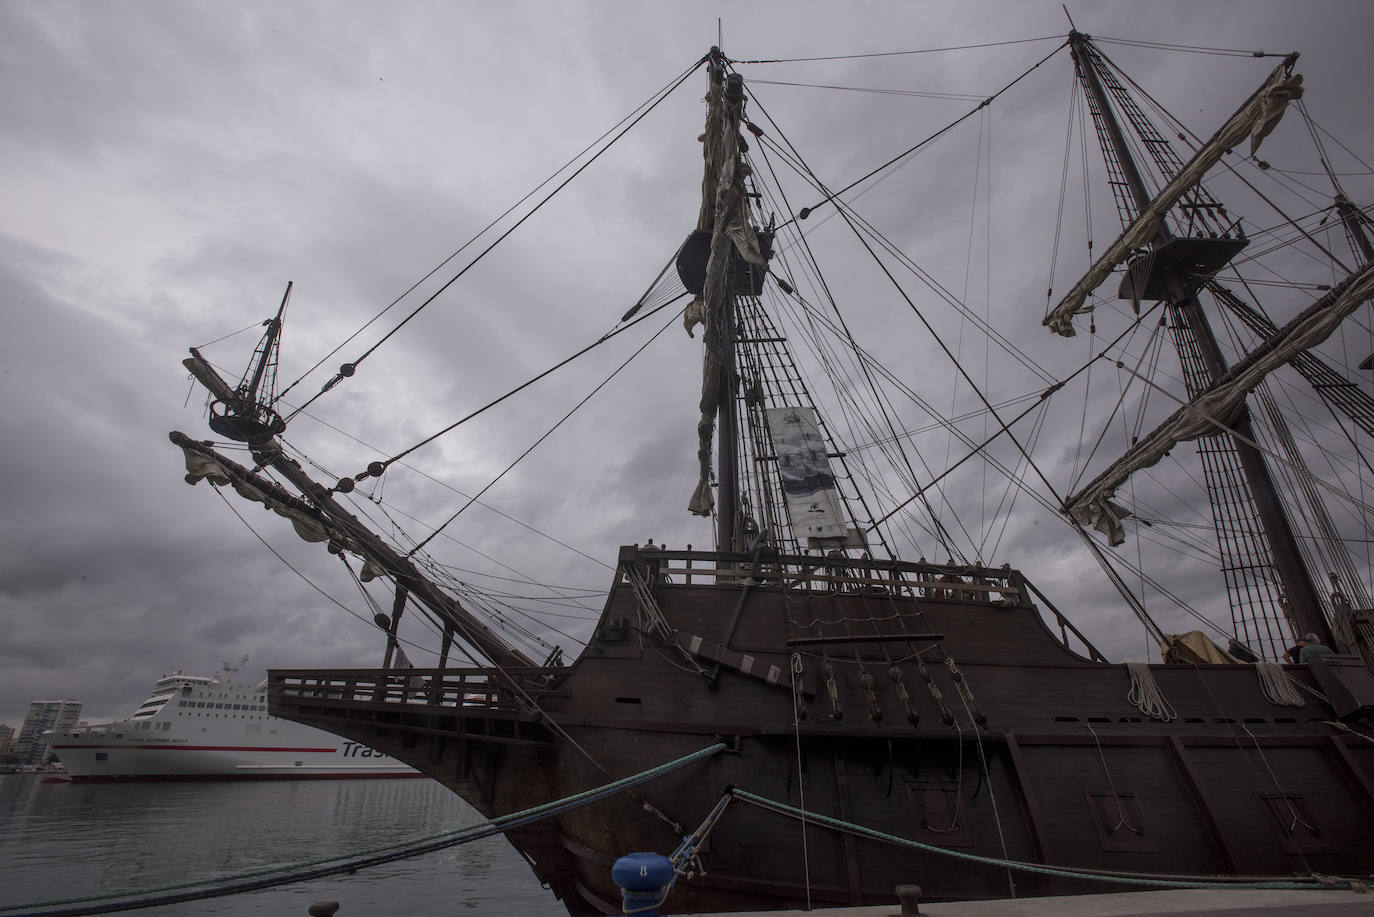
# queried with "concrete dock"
point(1231, 902)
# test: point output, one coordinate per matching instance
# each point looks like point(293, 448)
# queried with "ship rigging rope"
point(1072, 121)
point(1183, 128)
point(548, 720)
point(467, 592)
point(1111, 784)
point(549, 432)
point(831, 196)
point(1283, 794)
point(977, 449)
point(526, 384)
point(308, 581)
point(330, 866)
point(1315, 882)
point(660, 96)
point(1039, 498)
point(977, 390)
point(947, 96)
point(796, 161)
point(864, 362)
point(367, 596)
point(851, 346)
point(807, 322)
point(976, 719)
point(420, 471)
point(1153, 342)
point(1303, 472)
point(1194, 49)
point(986, 44)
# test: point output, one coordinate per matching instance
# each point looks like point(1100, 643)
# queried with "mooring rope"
point(1156, 881)
point(317, 869)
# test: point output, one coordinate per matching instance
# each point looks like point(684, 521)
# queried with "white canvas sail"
point(808, 485)
point(1255, 119)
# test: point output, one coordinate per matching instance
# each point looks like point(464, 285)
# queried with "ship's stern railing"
point(648, 566)
point(832, 573)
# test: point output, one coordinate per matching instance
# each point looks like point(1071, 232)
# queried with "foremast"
point(319, 516)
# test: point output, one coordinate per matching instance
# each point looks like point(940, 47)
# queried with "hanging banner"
point(808, 486)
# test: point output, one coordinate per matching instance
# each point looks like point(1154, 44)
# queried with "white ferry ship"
point(210, 728)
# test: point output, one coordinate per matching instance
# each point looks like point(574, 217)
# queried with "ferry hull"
point(107, 763)
point(202, 728)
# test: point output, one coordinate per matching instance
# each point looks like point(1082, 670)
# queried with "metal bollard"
point(323, 908)
point(910, 896)
point(644, 880)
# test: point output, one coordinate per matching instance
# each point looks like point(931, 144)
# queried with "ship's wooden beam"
point(367, 543)
point(1212, 409)
point(1255, 118)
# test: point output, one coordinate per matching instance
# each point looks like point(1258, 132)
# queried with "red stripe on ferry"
point(201, 748)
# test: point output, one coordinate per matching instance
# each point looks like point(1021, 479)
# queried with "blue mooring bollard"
point(644, 880)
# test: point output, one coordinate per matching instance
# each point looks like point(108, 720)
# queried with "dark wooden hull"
point(1041, 759)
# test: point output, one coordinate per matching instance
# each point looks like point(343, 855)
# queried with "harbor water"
point(63, 840)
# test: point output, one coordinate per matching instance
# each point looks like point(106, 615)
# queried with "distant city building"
point(6, 737)
point(32, 747)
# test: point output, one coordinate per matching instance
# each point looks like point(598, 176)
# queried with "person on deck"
point(1309, 645)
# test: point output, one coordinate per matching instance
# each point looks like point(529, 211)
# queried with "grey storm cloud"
point(169, 167)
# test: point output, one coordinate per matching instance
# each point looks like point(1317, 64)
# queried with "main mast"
point(732, 246)
point(1173, 280)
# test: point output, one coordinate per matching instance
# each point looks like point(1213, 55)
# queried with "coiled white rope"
point(1277, 686)
point(1145, 694)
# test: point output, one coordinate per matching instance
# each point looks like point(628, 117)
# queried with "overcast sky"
point(169, 167)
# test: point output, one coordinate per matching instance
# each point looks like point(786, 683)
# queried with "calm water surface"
point(67, 840)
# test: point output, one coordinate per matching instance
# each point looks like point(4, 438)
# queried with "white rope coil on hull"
point(1277, 687)
point(1145, 694)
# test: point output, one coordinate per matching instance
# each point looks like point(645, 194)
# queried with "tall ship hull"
point(1014, 747)
point(210, 728)
point(798, 715)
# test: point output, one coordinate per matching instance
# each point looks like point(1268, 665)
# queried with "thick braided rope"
point(317, 869)
point(1315, 882)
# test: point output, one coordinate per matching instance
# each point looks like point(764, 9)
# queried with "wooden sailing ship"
point(923, 708)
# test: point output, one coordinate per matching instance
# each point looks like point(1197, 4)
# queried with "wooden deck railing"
point(476, 688)
point(827, 574)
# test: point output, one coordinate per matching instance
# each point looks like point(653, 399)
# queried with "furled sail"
point(1255, 119)
point(344, 533)
point(1215, 407)
point(725, 215)
point(308, 522)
